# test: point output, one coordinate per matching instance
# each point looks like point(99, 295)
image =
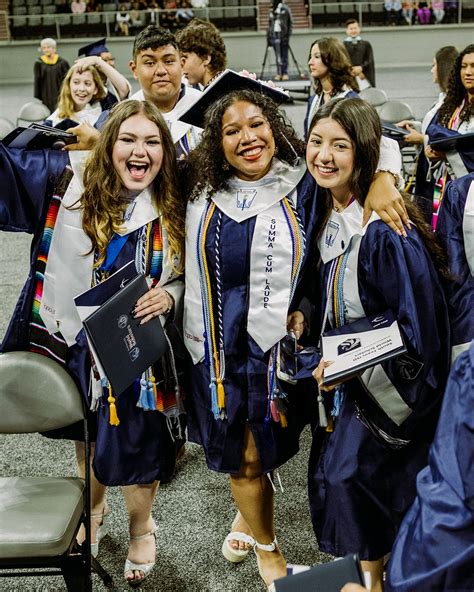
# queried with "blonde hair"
point(102, 201)
point(65, 101)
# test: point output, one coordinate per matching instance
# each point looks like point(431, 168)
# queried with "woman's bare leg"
point(376, 573)
point(98, 502)
point(139, 500)
point(253, 494)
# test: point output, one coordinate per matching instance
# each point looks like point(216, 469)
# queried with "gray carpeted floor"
point(193, 512)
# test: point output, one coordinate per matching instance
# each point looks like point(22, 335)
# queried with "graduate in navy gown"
point(251, 215)
point(434, 549)
point(455, 232)
point(128, 210)
point(454, 118)
point(375, 429)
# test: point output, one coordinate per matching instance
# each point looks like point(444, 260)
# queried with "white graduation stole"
point(271, 255)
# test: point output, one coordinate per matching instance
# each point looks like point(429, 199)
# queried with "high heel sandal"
point(144, 567)
point(237, 555)
point(269, 548)
point(101, 532)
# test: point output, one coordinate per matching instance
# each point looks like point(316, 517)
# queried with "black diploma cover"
point(124, 347)
point(327, 577)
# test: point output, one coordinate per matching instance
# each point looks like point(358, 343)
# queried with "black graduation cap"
point(225, 83)
point(93, 49)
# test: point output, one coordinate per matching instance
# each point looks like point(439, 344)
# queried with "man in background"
point(49, 72)
point(280, 23)
point(361, 54)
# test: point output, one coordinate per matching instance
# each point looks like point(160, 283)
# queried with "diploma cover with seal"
point(360, 345)
point(124, 348)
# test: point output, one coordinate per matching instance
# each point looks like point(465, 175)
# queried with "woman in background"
point(331, 70)
point(454, 118)
point(80, 98)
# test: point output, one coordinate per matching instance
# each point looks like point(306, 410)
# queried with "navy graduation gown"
point(450, 233)
point(362, 475)
point(436, 131)
point(245, 363)
point(434, 549)
point(140, 449)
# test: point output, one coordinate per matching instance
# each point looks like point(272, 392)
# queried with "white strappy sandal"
point(101, 531)
point(237, 555)
point(271, 547)
point(143, 567)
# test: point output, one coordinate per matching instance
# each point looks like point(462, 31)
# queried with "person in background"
point(49, 72)
point(280, 24)
point(203, 52)
point(361, 54)
point(122, 21)
point(375, 429)
point(443, 63)
point(98, 55)
point(78, 6)
point(423, 12)
point(454, 118)
point(184, 12)
point(331, 70)
point(392, 11)
point(156, 58)
point(438, 10)
point(80, 98)
point(407, 11)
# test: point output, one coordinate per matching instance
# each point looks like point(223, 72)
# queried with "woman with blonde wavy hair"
point(80, 96)
point(123, 208)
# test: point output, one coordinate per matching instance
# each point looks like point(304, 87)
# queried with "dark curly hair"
point(456, 92)
point(208, 167)
point(203, 38)
point(334, 55)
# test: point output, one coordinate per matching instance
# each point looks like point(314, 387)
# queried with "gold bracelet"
point(395, 177)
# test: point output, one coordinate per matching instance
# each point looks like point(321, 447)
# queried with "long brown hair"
point(102, 201)
point(65, 102)
point(335, 57)
point(361, 123)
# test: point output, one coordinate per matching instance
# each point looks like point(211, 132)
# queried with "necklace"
point(327, 92)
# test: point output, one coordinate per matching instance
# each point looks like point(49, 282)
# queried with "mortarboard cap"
point(93, 49)
point(225, 83)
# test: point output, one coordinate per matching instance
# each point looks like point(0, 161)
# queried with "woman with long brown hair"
point(331, 70)
point(123, 208)
point(375, 429)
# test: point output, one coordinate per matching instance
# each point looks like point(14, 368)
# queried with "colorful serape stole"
point(41, 342)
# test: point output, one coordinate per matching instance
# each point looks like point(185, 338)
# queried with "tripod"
point(270, 46)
